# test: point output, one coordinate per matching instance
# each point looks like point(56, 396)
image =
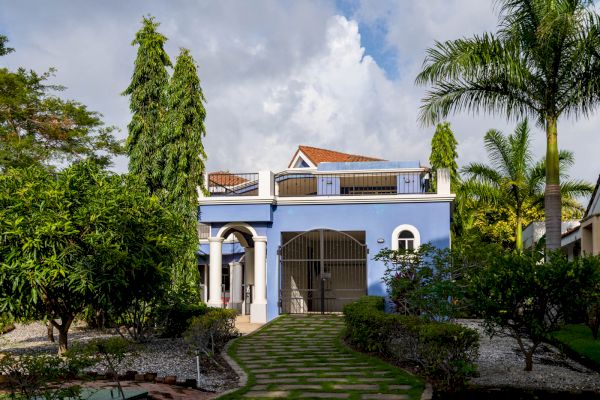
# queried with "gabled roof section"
point(594, 200)
point(317, 155)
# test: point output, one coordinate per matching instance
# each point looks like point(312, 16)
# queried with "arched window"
point(406, 241)
point(405, 237)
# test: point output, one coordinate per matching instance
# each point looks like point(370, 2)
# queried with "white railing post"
point(442, 180)
point(266, 184)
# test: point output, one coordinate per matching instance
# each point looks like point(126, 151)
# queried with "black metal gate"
point(321, 270)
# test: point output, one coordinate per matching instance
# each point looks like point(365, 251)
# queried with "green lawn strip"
point(577, 341)
point(401, 376)
point(231, 352)
point(295, 328)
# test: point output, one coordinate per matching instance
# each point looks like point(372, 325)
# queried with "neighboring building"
point(578, 237)
point(590, 224)
point(305, 237)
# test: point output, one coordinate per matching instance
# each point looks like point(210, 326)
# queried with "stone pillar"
point(258, 309)
point(235, 286)
point(215, 275)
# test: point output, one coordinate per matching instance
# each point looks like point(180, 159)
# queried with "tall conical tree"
point(148, 104)
point(183, 153)
point(443, 152)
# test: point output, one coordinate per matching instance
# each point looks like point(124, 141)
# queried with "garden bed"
point(500, 365)
point(165, 357)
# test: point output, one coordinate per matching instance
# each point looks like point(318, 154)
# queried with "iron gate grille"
point(321, 270)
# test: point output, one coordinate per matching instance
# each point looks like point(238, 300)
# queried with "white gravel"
point(161, 356)
point(501, 364)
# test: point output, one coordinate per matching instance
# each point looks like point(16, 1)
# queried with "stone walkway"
point(302, 357)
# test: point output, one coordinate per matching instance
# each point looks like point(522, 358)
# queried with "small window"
point(405, 237)
point(406, 241)
point(203, 231)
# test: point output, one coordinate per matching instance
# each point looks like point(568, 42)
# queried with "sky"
point(278, 74)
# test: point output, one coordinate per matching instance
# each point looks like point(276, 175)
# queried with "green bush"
point(6, 324)
point(209, 333)
point(444, 352)
point(174, 319)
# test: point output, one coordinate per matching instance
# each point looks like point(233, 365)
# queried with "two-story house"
point(303, 239)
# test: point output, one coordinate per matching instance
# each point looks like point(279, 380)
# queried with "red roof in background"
point(317, 155)
point(224, 178)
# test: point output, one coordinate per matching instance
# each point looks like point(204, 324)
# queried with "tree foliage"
point(519, 294)
point(183, 155)
point(443, 153)
point(148, 104)
point(544, 63)
point(514, 182)
point(39, 128)
point(4, 50)
point(78, 238)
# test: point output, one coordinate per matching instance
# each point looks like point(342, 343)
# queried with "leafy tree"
point(514, 181)
point(148, 104)
point(3, 49)
point(518, 294)
point(183, 154)
point(78, 238)
point(443, 153)
point(544, 62)
point(38, 127)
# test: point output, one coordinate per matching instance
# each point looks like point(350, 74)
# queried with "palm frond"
point(575, 188)
point(482, 173)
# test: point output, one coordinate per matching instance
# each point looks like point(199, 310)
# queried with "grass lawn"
point(578, 339)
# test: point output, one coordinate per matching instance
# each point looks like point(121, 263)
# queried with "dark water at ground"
point(516, 394)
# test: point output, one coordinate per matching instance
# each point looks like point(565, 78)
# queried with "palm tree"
point(513, 180)
point(544, 62)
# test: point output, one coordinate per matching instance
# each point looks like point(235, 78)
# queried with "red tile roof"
point(224, 178)
point(317, 155)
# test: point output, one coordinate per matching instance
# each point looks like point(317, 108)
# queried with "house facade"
point(578, 237)
point(302, 240)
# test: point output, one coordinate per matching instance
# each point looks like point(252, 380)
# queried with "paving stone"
point(399, 387)
point(300, 387)
point(276, 380)
point(263, 394)
point(357, 386)
point(313, 395)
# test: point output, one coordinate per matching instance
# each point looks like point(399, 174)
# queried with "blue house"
point(302, 240)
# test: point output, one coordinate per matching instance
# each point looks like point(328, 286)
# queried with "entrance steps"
point(244, 326)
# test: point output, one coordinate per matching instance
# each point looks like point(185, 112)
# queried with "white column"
point(248, 274)
point(266, 184)
point(443, 181)
point(259, 303)
point(215, 276)
point(235, 286)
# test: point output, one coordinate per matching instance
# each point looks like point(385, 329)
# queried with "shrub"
point(43, 376)
point(174, 319)
point(6, 323)
point(209, 333)
point(443, 352)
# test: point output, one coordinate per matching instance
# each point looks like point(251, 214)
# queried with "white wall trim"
point(236, 225)
point(301, 155)
point(405, 227)
point(401, 198)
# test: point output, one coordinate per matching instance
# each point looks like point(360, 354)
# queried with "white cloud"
point(275, 74)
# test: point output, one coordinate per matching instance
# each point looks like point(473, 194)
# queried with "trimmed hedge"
point(443, 352)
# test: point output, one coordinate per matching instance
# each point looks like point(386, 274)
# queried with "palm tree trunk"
point(519, 232)
point(552, 202)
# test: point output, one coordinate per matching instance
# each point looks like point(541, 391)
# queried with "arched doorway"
point(249, 274)
point(321, 270)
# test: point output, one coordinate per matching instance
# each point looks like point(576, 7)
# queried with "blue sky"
point(277, 74)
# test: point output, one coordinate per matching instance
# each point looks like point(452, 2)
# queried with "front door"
point(321, 270)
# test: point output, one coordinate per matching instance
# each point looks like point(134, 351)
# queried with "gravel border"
point(166, 357)
point(501, 364)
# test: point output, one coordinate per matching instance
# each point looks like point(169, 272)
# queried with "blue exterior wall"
point(377, 220)
point(238, 212)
